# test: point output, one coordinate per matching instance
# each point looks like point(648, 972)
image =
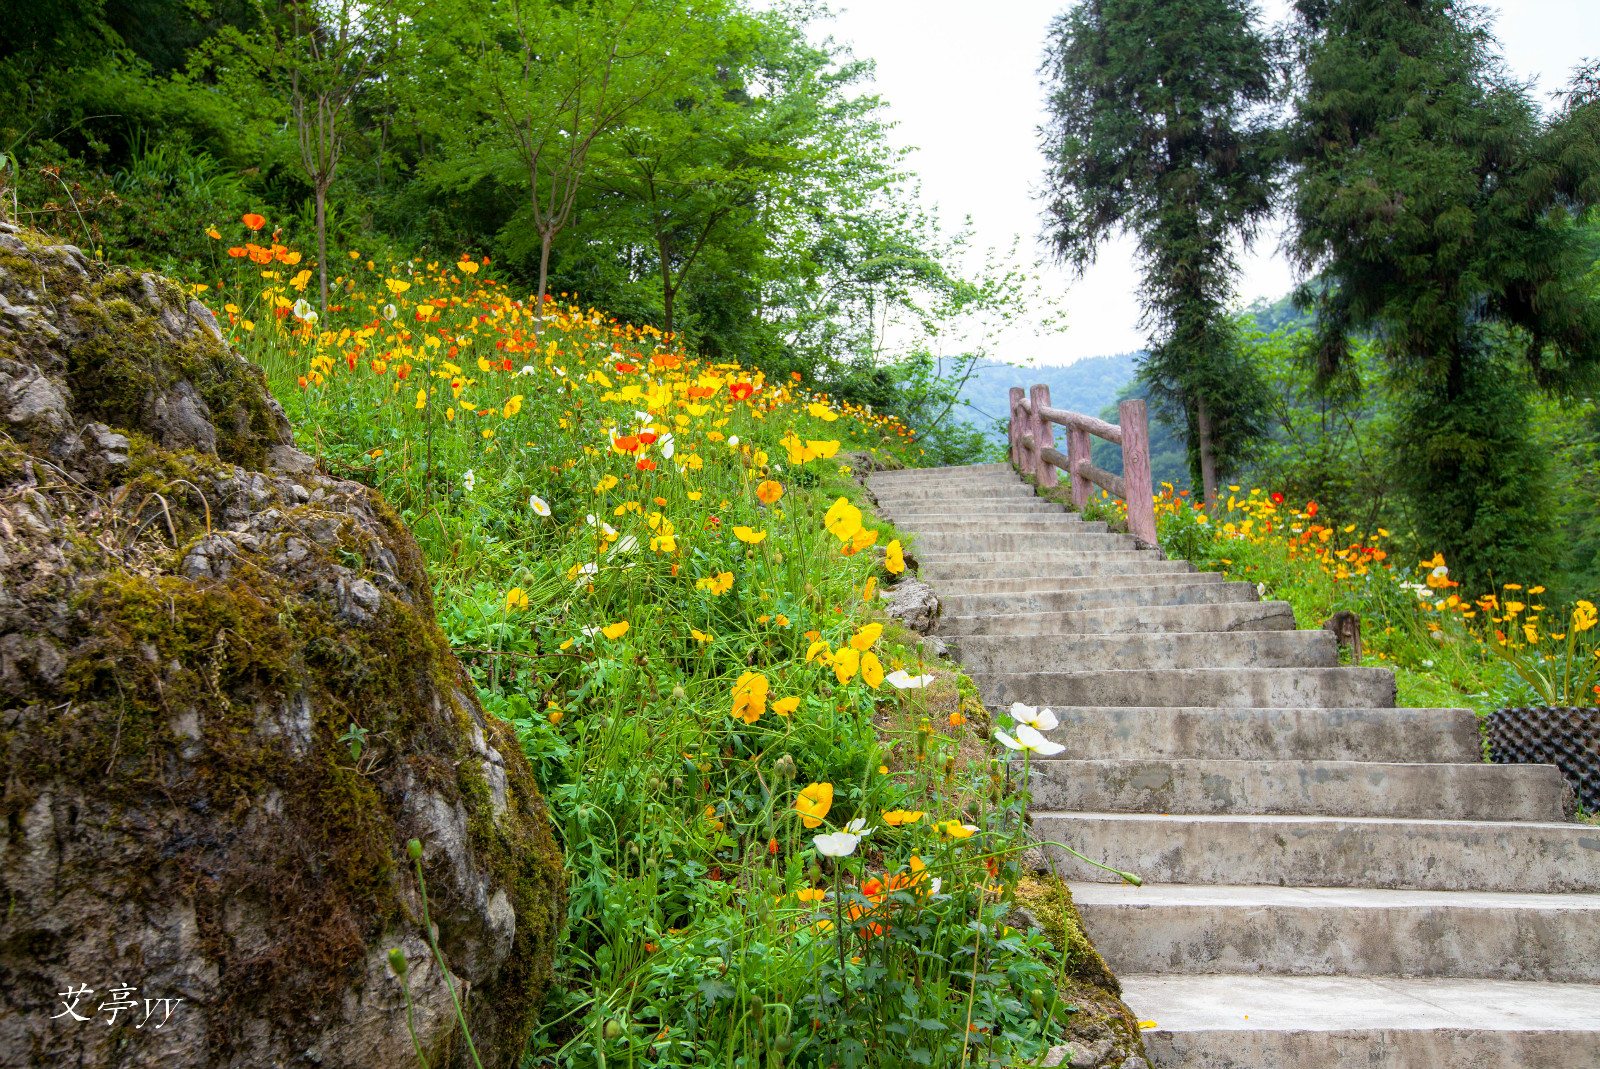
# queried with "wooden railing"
point(1034, 452)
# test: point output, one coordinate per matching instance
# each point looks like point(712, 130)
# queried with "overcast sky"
point(961, 81)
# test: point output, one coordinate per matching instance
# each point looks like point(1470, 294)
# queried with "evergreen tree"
point(1439, 209)
point(1157, 126)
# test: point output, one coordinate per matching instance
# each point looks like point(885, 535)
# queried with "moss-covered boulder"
point(1102, 1032)
point(194, 623)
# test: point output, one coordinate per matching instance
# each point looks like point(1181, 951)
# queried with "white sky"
point(962, 84)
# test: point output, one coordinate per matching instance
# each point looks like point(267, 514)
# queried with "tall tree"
point(1157, 126)
point(558, 79)
point(1438, 206)
point(319, 55)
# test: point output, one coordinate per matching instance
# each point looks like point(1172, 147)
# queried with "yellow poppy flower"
point(786, 706)
point(814, 803)
point(750, 697)
point(845, 664)
point(749, 534)
point(769, 491)
point(865, 637)
point(893, 559)
point(871, 670)
point(616, 630)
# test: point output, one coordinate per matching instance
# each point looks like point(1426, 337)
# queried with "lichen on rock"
point(191, 616)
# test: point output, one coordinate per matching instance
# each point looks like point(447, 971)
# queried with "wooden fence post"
point(1043, 436)
point(1136, 471)
point(1078, 444)
point(1015, 428)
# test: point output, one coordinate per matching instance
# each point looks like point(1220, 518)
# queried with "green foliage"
point(1479, 482)
point(1156, 126)
point(1438, 207)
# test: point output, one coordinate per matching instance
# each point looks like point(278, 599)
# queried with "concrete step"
point(1308, 734)
point(1046, 561)
point(991, 468)
point(1175, 571)
point(1070, 595)
point(904, 512)
point(1277, 1022)
point(1093, 564)
point(1342, 931)
point(1231, 688)
point(1021, 654)
point(1034, 541)
point(1429, 791)
point(890, 496)
point(1063, 524)
point(1317, 851)
point(1129, 620)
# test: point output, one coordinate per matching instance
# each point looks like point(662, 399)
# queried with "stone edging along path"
point(1330, 882)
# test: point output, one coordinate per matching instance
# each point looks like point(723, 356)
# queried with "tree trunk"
point(666, 283)
point(1208, 461)
point(545, 237)
point(322, 245)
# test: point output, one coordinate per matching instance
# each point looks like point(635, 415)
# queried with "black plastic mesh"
point(1565, 737)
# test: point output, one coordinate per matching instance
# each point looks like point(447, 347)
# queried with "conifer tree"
point(1438, 208)
point(1158, 126)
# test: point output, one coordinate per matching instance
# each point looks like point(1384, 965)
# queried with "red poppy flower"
point(647, 437)
point(237, 252)
point(740, 391)
point(624, 368)
point(505, 365)
point(628, 443)
point(645, 464)
point(1311, 508)
point(1277, 499)
point(253, 221)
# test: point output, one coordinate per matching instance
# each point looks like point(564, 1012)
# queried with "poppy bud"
point(758, 1009)
point(612, 1028)
point(397, 961)
point(414, 849)
point(783, 1043)
point(679, 693)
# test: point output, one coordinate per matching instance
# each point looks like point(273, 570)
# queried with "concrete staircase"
point(1330, 882)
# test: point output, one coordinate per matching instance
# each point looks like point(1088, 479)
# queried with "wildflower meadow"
point(787, 842)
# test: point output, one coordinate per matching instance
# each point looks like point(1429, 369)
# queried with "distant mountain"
point(1085, 386)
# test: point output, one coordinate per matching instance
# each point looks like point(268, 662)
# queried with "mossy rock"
point(1101, 1025)
point(192, 619)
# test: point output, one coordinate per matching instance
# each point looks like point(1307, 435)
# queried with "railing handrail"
point(1033, 451)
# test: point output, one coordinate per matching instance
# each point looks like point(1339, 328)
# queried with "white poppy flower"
point(389, 311)
point(527, 369)
point(559, 372)
point(859, 827)
point(1029, 739)
point(1043, 719)
point(628, 544)
point(733, 441)
point(838, 844)
point(302, 311)
point(666, 447)
point(537, 504)
point(469, 480)
point(903, 680)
